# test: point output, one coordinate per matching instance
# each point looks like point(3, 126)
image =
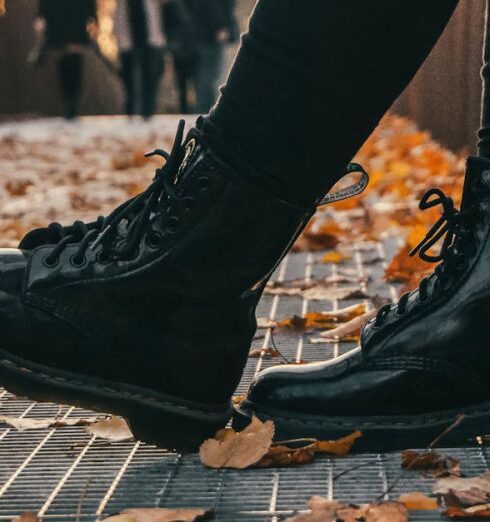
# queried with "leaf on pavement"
point(114, 429)
point(345, 314)
point(417, 501)
point(239, 450)
point(22, 423)
point(431, 463)
point(161, 515)
point(466, 491)
point(480, 512)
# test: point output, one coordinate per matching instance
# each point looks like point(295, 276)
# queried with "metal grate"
point(65, 474)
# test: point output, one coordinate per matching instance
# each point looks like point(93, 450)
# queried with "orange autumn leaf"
point(283, 456)
point(338, 447)
point(417, 501)
point(403, 267)
point(335, 257)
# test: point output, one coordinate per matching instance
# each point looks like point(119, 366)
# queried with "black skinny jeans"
point(313, 78)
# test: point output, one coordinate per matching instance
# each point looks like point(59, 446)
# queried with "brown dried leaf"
point(264, 352)
point(238, 450)
point(431, 463)
point(283, 456)
point(114, 429)
point(338, 447)
point(352, 327)
point(161, 515)
point(22, 424)
point(26, 516)
point(323, 510)
point(417, 501)
point(481, 511)
point(466, 491)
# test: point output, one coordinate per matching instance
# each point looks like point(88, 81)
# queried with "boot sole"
point(380, 433)
point(156, 418)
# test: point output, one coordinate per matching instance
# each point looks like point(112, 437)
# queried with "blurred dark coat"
point(188, 23)
point(67, 20)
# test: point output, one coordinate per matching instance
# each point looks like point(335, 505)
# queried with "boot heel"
point(175, 431)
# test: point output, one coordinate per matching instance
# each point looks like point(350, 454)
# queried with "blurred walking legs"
point(70, 72)
point(209, 69)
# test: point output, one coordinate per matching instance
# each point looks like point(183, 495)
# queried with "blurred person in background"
point(198, 32)
point(61, 26)
point(139, 33)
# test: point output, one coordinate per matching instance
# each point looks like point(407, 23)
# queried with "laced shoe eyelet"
point(154, 239)
point(172, 224)
point(50, 262)
point(102, 258)
point(189, 203)
point(78, 261)
point(204, 183)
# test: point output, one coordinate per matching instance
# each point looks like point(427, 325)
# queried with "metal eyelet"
point(78, 261)
point(172, 224)
point(50, 262)
point(102, 258)
point(204, 183)
point(154, 239)
point(189, 203)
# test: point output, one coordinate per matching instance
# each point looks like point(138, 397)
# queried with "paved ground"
point(65, 474)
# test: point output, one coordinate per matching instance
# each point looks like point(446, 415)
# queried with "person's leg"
point(180, 68)
point(70, 76)
point(127, 75)
point(151, 74)
point(312, 79)
point(208, 74)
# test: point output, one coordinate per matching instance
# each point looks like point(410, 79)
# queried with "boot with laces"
point(148, 313)
point(423, 364)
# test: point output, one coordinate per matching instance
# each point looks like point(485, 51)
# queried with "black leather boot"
point(148, 313)
point(422, 362)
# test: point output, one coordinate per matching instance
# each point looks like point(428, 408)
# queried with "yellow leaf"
point(341, 446)
point(335, 257)
point(417, 501)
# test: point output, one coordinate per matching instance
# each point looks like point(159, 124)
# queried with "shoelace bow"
point(136, 211)
point(452, 226)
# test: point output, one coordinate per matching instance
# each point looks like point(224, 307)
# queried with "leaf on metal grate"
point(457, 491)
point(26, 516)
point(161, 515)
point(480, 512)
point(431, 463)
point(264, 352)
point(339, 447)
point(335, 257)
point(284, 456)
point(323, 510)
point(314, 289)
point(239, 450)
point(114, 429)
point(352, 327)
point(22, 423)
point(417, 501)
point(263, 322)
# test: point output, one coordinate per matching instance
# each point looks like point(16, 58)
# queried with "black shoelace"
point(455, 226)
point(134, 214)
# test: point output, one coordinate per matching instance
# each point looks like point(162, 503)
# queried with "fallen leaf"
point(238, 450)
point(417, 501)
point(345, 314)
point(323, 510)
point(161, 515)
point(264, 352)
point(335, 257)
point(23, 423)
point(26, 516)
point(114, 429)
point(431, 463)
point(263, 322)
point(338, 447)
point(283, 456)
point(481, 511)
point(314, 289)
point(467, 491)
point(352, 327)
